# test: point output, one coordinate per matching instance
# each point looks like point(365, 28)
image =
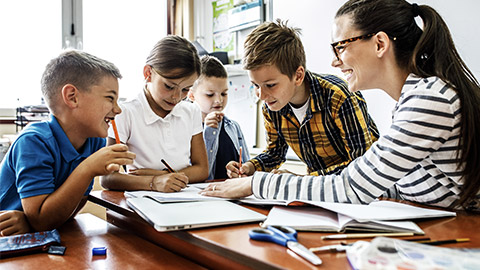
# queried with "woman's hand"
point(231, 188)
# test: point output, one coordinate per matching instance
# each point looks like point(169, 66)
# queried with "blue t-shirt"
point(39, 162)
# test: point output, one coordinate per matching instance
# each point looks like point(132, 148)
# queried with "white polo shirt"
point(152, 137)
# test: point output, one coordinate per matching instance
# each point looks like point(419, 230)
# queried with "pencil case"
point(28, 243)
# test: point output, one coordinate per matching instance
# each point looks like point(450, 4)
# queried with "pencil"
point(114, 126)
point(240, 157)
point(117, 140)
point(363, 235)
point(169, 169)
point(441, 242)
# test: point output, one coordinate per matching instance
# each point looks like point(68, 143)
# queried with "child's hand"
point(13, 222)
point(234, 170)
point(171, 182)
point(146, 171)
point(109, 159)
point(212, 119)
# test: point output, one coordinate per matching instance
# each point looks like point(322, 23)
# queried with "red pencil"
point(117, 138)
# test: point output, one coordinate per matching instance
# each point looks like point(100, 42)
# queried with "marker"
point(363, 235)
point(169, 169)
point(114, 126)
point(441, 242)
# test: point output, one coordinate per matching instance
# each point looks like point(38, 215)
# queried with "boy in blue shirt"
point(48, 171)
point(223, 136)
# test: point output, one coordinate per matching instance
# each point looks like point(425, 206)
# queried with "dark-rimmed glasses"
point(339, 45)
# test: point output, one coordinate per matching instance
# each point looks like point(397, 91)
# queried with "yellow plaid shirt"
point(336, 129)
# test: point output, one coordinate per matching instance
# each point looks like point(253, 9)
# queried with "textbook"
point(378, 216)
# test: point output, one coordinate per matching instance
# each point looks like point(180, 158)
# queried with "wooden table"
point(124, 250)
point(229, 247)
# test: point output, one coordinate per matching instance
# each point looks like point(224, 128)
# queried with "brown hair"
point(77, 68)
point(174, 57)
point(274, 43)
point(212, 67)
point(426, 53)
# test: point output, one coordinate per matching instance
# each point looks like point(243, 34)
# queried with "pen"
point(114, 126)
point(169, 169)
point(363, 235)
point(441, 242)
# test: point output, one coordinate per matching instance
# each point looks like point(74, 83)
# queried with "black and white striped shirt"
point(416, 157)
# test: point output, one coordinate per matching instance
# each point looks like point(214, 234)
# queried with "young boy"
point(49, 169)
point(223, 136)
point(326, 125)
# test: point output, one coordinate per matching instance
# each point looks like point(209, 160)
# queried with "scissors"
point(287, 237)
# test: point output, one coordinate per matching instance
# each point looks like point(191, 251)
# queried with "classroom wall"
point(316, 21)
point(315, 18)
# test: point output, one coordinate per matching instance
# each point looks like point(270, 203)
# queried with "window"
point(30, 31)
point(122, 32)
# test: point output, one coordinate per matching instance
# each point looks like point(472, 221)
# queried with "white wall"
point(315, 21)
point(315, 18)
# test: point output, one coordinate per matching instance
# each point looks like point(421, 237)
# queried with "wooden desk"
point(124, 250)
point(229, 247)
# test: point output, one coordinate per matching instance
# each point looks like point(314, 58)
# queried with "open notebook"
point(316, 219)
point(194, 214)
point(378, 216)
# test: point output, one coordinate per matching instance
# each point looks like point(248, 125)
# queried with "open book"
point(378, 216)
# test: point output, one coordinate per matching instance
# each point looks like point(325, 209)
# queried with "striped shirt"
point(336, 129)
point(417, 157)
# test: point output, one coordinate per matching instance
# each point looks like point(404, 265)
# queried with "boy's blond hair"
point(274, 43)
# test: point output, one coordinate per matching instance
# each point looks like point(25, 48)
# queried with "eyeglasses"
point(339, 45)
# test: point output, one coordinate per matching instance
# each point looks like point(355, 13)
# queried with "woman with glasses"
point(431, 153)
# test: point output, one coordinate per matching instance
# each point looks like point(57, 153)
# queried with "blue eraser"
point(99, 251)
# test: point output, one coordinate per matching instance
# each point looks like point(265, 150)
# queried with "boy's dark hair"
point(78, 68)
point(174, 57)
point(274, 43)
point(212, 67)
